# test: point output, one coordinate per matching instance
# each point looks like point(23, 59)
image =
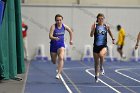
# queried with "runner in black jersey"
point(99, 31)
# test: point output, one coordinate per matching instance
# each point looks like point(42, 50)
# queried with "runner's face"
point(58, 21)
point(100, 20)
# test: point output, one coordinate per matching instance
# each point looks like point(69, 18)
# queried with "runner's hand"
point(71, 43)
point(56, 38)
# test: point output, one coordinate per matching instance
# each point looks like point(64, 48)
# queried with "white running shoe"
point(58, 76)
point(96, 79)
point(102, 71)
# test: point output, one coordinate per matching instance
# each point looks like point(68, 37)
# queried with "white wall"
point(86, 2)
point(80, 19)
point(110, 2)
point(51, 1)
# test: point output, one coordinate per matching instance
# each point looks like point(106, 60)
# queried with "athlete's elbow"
point(50, 37)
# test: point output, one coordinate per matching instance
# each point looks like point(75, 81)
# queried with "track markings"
point(117, 71)
point(87, 70)
point(65, 84)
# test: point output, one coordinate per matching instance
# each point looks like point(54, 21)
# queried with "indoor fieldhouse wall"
point(110, 2)
point(51, 1)
point(87, 2)
point(79, 18)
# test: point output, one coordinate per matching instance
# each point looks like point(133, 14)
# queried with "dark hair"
point(58, 15)
point(118, 27)
point(100, 14)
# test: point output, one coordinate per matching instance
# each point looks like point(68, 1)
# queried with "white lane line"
point(87, 70)
point(134, 73)
point(88, 86)
point(117, 71)
point(73, 84)
point(65, 84)
point(126, 87)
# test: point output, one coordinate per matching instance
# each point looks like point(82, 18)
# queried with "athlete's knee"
point(61, 58)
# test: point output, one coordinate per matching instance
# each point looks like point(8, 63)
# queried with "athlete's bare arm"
point(111, 35)
point(92, 30)
point(51, 33)
point(137, 43)
point(70, 33)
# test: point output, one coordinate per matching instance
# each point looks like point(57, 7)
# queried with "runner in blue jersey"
point(99, 31)
point(57, 46)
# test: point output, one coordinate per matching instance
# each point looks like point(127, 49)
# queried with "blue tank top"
point(100, 35)
point(59, 32)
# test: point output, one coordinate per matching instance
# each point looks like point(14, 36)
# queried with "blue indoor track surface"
point(120, 77)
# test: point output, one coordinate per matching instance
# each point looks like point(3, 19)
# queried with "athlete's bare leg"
point(120, 52)
point(53, 57)
point(102, 55)
point(61, 52)
point(97, 64)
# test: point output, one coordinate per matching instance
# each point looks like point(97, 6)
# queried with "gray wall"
point(80, 19)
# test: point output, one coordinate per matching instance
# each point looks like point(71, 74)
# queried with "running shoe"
point(58, 76)
point(102, 71)
point(96, 79)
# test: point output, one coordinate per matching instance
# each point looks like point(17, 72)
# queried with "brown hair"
point(58, 15)
point(100, 14)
